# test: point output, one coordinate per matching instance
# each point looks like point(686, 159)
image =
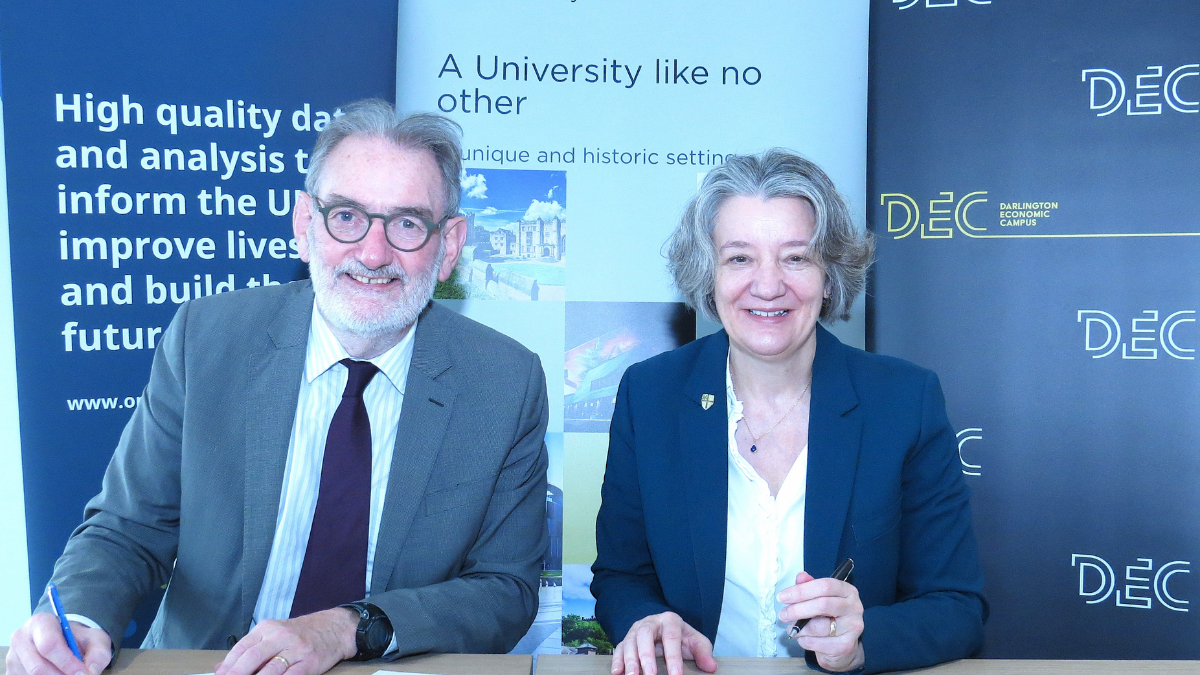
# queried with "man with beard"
point(362, 479)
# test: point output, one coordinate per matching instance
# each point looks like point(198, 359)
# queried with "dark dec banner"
point(154, 150)
point(1033, 172)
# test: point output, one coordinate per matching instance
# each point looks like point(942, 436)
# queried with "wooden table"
point(188, 662)
point(567, 664)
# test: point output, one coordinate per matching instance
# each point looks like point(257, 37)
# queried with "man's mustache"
point(358, 269)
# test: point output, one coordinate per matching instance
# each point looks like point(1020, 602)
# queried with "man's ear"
point(302, 215)
point(454, 233)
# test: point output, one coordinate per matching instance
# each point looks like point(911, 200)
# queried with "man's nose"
point(374, 249)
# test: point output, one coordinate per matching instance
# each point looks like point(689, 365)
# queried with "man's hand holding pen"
point(39, 647)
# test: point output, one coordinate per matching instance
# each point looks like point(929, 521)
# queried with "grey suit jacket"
point(191, 495)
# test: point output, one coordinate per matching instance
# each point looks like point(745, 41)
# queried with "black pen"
point(842, 573)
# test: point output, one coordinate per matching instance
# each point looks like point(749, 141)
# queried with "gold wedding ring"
point(832, 627)
point(286, 665)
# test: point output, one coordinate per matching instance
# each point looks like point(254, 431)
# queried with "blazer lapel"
point(274, 374)
point(424, 416)
point(703, 436)
point(834, 436)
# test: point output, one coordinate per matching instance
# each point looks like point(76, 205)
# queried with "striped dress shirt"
point(320, 393)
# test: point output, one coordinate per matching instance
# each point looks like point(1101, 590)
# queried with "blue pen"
point(62, 619)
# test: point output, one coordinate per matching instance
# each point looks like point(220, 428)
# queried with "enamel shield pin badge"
point(707, 400)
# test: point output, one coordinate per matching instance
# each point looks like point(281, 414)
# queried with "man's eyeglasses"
point(349, 223)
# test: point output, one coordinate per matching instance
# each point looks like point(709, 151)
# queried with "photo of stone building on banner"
point(516, 236)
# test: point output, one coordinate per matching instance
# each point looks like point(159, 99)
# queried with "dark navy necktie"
point(335, 560)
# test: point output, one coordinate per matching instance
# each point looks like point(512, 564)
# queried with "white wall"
point(14, 561)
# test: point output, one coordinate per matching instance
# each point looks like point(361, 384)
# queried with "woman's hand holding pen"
point(836, 614)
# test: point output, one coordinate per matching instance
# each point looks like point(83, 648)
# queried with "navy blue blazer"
point(885, 487)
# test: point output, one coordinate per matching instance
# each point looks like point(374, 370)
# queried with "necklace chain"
point(746, 419)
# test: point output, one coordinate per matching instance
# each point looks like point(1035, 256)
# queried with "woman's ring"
point(832, 627)
point(286, 665)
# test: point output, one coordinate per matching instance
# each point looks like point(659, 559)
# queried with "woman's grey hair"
point(440, 135)
point(842, 251)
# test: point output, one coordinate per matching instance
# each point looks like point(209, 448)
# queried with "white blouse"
point(764, 553)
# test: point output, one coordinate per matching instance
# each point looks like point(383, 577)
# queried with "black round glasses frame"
point(430, 227)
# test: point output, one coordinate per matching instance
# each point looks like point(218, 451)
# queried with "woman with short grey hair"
point(745, 467)
point(843, 251)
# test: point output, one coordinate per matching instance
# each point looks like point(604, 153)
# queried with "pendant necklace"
point(754, 445)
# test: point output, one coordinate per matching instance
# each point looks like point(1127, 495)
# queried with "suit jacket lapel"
point(834, 435)
point(424, 416)
point(703, 436)
point(274, 372)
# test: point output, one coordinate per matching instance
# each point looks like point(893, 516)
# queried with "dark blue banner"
point(153, 152)
point(1033, 168)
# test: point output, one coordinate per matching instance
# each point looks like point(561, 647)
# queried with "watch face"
point(379, 634)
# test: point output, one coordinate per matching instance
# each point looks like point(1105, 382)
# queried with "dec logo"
point(905, 4)
point(942, 212)
point(966, 436)
point(1148, 335)
point(1097, 582)
point(1107, 92)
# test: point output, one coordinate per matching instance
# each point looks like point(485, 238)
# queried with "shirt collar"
point(324, 351)
point(735, 405)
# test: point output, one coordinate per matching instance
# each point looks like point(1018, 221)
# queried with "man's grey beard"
point(338, 308)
